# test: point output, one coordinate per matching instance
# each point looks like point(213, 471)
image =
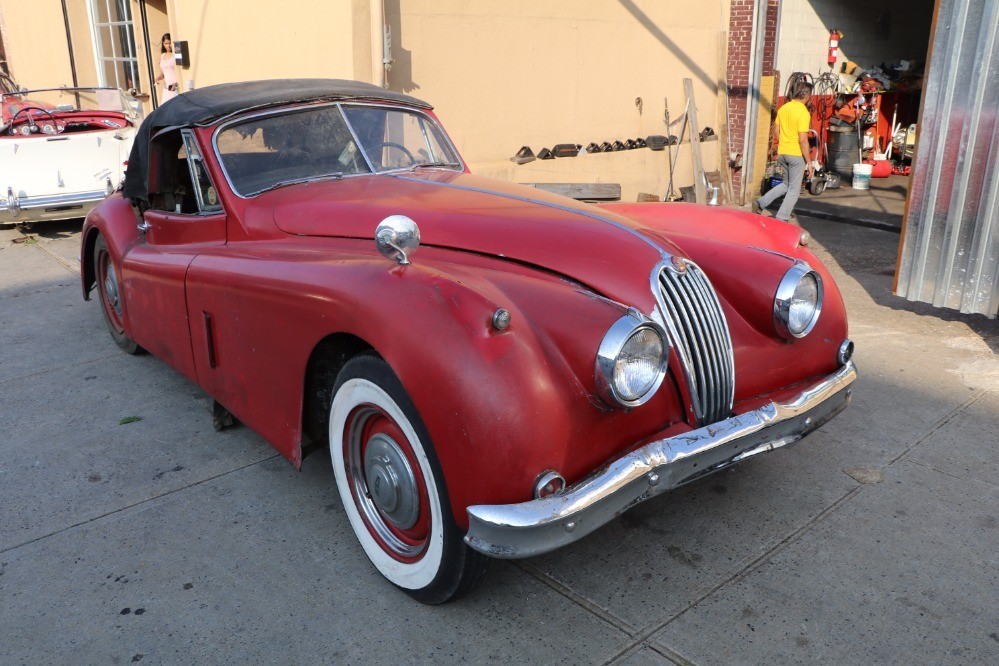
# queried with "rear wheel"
point(109, 290)
point(392, 487)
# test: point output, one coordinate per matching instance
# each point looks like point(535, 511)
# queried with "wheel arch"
point(325, 362)
point(89, 279)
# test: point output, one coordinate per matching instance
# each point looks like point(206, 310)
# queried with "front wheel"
point(109, 290)
point(392, 488)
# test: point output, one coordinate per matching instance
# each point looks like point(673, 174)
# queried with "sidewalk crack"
point(651, 630)
point(136, 504)
point(941, 422)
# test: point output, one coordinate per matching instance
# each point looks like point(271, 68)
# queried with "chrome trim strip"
point(235, 118)
point(543, 525)
point(33, 203)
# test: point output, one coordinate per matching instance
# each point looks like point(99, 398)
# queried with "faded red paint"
point(282, 271)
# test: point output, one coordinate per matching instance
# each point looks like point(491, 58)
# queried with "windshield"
point(316, 142)
point(68, 100)
point(398, 138)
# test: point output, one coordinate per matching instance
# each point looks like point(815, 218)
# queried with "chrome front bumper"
point(543, 525)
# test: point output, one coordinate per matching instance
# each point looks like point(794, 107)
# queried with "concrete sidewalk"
point(880, 207)
point(875, 540)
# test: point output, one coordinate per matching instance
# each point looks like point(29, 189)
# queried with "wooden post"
point(764, 114)
point(695, 142)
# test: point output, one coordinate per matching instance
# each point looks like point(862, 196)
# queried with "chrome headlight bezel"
point(613, 344)
point(785, 294)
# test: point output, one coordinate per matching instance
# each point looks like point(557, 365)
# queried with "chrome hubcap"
point(384, 484)
point(111, 288)
point(391, 482)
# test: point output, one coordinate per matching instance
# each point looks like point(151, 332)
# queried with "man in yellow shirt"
point(793, 122)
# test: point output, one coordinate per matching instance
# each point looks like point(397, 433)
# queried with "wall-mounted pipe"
point(378, 69)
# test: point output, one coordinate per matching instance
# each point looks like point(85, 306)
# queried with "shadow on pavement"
point(53, 230)
point(869, 256)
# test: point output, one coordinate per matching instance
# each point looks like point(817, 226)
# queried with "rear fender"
point(115, 219)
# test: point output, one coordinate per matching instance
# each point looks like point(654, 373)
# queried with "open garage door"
point(949, 254)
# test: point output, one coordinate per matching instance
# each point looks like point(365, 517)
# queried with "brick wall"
point(740, 41)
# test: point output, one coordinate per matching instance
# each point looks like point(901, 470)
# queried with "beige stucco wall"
point(520, 72)
point(236, 40)
point(37, 51)
point(501, 73)
point(34, 36)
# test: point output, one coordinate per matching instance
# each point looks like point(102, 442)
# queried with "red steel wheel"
point(109, 291)
point(392, 487)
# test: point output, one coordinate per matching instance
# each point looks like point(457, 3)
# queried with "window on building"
point(114, 43)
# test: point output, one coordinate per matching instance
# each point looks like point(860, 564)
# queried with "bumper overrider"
point(543, 525)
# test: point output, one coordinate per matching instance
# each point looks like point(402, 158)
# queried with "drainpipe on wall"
point(379, 61)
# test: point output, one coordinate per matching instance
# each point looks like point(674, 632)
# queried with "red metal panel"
point(153, 275)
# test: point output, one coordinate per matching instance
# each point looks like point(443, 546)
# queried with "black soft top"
point(206, 105)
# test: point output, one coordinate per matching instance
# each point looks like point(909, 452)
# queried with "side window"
point(207, 195)
point(178, 179)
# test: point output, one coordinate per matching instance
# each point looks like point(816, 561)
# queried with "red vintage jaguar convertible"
point(497, 371)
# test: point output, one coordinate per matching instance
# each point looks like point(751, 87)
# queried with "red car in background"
point(497, 371)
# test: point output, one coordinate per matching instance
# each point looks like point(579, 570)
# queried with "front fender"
point(501, 407)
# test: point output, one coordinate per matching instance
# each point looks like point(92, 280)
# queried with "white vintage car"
point(61, 150)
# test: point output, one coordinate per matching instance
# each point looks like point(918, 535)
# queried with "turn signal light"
point(548, 483)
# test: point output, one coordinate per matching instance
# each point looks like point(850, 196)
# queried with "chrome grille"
point(700, 334)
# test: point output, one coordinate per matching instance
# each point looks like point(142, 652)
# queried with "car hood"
point(608, 252)
point(611, 249)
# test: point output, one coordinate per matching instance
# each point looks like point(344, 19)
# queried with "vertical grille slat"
point(700, 334)
point(695, 356)
point(719, 334)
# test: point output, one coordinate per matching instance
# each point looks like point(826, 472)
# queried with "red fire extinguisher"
point(834, 37)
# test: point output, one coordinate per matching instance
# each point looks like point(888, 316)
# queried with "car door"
point(185, 218)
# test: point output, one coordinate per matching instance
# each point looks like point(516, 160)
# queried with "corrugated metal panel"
point(950, 252)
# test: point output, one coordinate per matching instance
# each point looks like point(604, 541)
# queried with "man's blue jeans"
point(793, 167)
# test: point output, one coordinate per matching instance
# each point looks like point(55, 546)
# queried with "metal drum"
point(844, 149)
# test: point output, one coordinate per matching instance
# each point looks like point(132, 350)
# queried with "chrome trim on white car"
point(14, 204)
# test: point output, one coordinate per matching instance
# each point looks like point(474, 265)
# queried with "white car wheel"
point(391, 486)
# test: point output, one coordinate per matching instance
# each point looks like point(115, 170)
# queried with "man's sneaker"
point(756, 207)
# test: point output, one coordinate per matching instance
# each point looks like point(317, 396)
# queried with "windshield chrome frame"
point(128, 110)
point(235, 119)
point(447, 140)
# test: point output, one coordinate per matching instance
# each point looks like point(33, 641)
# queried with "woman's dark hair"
point(802, 89)
point(166, 36)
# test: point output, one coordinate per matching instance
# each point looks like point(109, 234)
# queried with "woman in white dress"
point(168, 69)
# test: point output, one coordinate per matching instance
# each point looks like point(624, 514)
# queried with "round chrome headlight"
point(631, 361)
point(798, 302)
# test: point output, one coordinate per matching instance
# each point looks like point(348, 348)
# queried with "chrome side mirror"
point(397, 237)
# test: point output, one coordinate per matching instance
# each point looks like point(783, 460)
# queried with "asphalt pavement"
point(162, 541)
